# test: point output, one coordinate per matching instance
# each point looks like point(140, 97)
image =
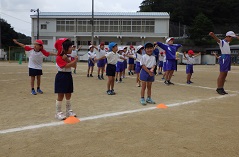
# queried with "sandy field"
point(197, 123)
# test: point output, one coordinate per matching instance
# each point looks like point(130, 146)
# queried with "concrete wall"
point(208, 59)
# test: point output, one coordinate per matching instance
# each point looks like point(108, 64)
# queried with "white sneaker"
point(70, 113)
point(60, 116)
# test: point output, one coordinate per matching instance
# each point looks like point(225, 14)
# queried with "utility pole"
point(92, 24)
point(37, 10)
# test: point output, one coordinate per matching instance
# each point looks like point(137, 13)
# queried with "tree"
point(201, 26)
point(8, 33)
point(220, 12)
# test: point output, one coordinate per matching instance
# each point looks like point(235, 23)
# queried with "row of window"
point(105, 25)
point(106, 43)
point(45, 42)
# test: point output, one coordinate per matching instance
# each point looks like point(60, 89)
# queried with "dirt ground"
point(197, 123)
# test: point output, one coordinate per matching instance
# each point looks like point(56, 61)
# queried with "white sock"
point(58, 106)
point(68, 105)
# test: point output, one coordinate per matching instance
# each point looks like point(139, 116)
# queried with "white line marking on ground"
point(191, 85)
point(31, 127)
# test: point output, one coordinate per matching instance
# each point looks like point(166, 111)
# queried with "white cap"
point(91, 46)
point(121, 48)
point(230, 34)
point(139, 47)
point(169, 40)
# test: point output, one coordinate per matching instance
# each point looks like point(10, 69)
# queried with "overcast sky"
point(17, 12)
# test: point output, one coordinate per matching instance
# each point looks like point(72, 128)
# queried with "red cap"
point(161, 53)
point(58, 45)
point(39, 42)
point(190, 52)
point(102, 44)
point(131, 46)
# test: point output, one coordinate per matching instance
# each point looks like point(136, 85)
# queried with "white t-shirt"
point(164, 58)
point(91, 54)
point(125, 53)
point(138, 57)
point(74, 53)
point(36, 58)
point(60, 64)
point(224, 46)
point(190, 60)
point(112, 57)
point(119, 59)
point(148, 61)
point(101, 52)
point(161, 57)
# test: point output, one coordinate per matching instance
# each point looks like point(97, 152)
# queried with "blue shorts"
point(137, 68)
point(144, 76)
point(170, 65)
point(101, 63)
point(160, 64)
point(131, 60)
point(63, 82)
point(225, 63)
point(90, 63)
point(119, 67)
point(189, 68)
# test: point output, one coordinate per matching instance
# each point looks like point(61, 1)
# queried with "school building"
point(124, 28)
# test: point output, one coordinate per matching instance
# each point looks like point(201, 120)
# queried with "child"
point(131, 61)
point(74, 54)
point(63, 79)
point(36, 56)
point(138, 57)
point(224, 60)
point(91, 62)
point(101, 63)
point(112, 58)
point(189, 67)
point(148, 64)
point(160, 63)
point(119, 66)
point(170, 50)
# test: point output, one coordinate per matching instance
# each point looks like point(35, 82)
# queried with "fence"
point(18, 54)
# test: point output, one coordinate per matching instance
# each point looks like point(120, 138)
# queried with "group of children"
point(115, 64)
point(122, 64)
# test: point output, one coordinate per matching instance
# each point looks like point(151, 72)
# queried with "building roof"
point(101, 14)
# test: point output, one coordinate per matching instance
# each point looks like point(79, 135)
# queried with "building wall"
point(162, 27)
point(161, 31)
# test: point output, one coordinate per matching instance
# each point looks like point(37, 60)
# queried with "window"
point(107, 25)
point(45, 42)
point(84, 25)
point(85, 43)
point(65, 25)
point(43, 26)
